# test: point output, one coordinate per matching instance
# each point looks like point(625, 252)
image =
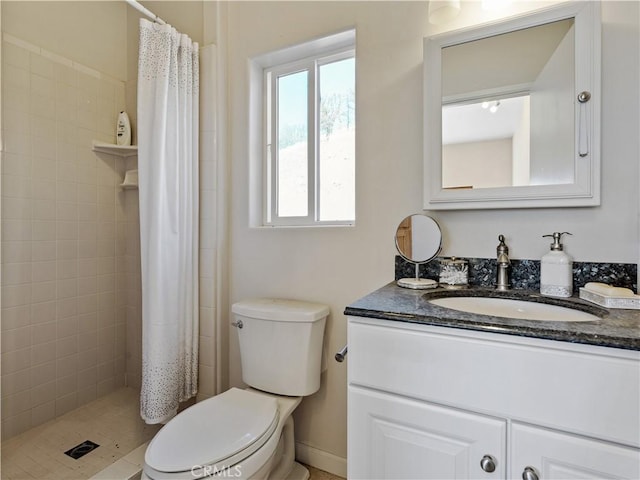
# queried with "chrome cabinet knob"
point(488, 464)
point(529, 473)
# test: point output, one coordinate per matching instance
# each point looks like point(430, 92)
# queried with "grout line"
point(6, 37)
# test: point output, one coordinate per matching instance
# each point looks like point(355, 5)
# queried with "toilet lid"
point(213, 430)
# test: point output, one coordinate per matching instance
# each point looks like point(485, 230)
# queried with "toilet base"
point(298, 472)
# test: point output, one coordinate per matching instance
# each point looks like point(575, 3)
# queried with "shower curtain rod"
point(146, 11)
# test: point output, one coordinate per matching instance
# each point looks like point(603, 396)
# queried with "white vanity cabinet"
point(431, 402)
point(395, 437)
point(561, 456)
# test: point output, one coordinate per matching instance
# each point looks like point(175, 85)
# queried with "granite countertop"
point(616, 328)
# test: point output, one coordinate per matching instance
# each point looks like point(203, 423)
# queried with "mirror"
point(511, 112)
point(418, 240)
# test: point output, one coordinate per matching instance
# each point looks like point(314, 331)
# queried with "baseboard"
point(320, 459)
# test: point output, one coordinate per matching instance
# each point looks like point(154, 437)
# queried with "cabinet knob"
point(529, 473)
point(488, 463)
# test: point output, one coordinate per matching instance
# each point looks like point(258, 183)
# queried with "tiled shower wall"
point(133, 283)
point(64, 238)
point(208, 349)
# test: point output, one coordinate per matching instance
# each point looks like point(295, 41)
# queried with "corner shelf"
point(124, 151)
point(130, 181)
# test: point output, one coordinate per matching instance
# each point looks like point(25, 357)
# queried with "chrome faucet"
point(502, 280)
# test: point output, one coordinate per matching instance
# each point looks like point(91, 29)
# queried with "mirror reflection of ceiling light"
point(492, 106)
point(443, 11)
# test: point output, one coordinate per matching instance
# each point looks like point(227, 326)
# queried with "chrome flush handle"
point(341, 354)
point(238, 324)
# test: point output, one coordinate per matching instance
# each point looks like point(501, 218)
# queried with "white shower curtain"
point(168, 70)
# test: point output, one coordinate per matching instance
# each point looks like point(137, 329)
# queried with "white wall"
point(486, 163)
point(521, 142)
point(551, 96)
point(331, 265)
point(338, 265)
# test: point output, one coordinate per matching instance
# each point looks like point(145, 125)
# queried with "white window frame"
point(305, 57)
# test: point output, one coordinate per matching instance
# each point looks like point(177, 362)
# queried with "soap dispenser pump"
point(556, 270)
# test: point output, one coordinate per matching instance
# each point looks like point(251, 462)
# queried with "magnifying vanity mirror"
point(418, 240)
point(512, 112)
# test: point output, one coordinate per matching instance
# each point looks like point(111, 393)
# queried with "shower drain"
point(82, 449)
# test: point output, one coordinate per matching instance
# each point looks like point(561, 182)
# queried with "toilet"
point(248, 434)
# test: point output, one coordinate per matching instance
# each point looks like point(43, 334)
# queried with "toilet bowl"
point(248, 434)
point(236, 434)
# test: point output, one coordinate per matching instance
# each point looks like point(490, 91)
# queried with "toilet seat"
point(213, 435)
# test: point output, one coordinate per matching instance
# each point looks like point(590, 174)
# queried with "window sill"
point(320, 225)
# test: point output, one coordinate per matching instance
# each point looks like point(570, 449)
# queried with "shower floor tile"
point(112, 421)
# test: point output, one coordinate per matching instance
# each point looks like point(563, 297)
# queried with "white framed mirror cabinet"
point(512, 112)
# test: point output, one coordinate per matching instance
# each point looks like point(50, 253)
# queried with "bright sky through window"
point(330, 161)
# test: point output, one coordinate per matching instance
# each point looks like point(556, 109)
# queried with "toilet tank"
point(281, 344)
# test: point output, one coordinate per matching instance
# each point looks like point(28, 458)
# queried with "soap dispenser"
point(556, 270)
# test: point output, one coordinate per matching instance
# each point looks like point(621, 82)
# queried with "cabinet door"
point(399, 438)
point(557, 455)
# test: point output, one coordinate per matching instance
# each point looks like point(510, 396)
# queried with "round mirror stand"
point(417, 283)
point(418, 240)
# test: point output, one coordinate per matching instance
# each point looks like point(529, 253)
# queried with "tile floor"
point(130, 467)
point(112, 421)
point(315, 474)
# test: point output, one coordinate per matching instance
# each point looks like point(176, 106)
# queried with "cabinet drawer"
point(585, 391)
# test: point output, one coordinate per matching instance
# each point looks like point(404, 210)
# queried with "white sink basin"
point(506, 307)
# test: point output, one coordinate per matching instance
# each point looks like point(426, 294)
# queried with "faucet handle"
point(502, 247)
point(502, 282)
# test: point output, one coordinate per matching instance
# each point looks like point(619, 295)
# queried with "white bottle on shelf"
point(123, 130)
point(556, 270)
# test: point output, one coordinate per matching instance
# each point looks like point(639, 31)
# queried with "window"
point(309, 134)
